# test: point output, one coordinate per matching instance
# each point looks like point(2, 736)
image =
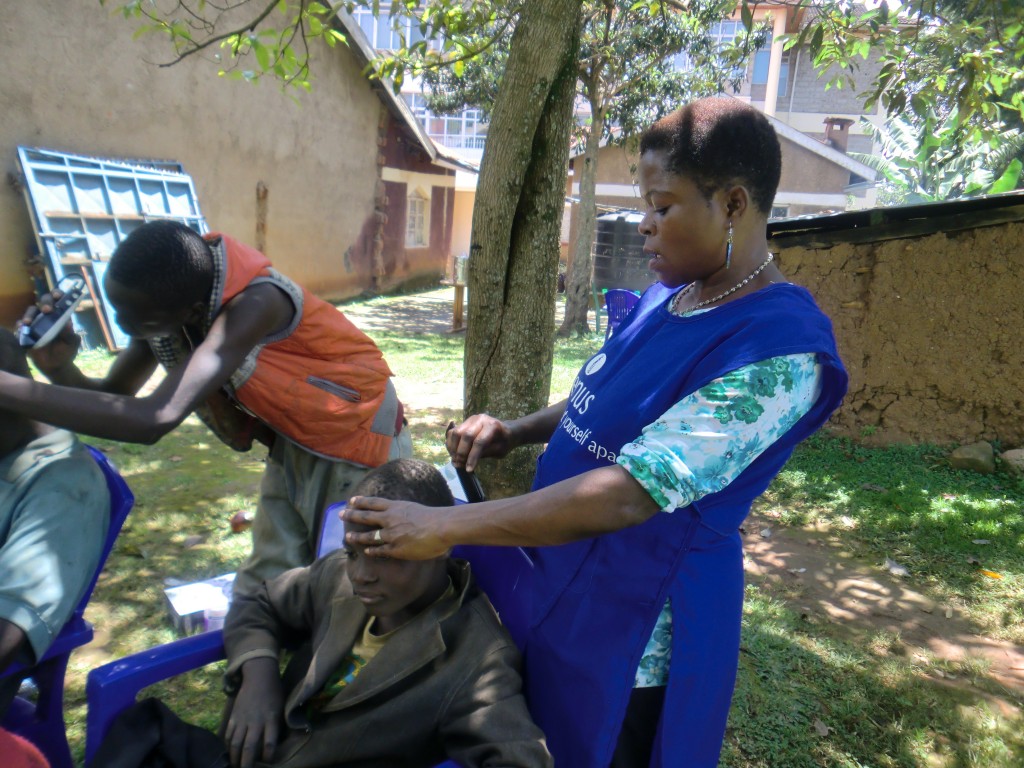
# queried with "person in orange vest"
point(254, 355)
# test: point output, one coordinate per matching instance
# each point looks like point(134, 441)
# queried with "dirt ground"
point(809, 568)
point(815, 574)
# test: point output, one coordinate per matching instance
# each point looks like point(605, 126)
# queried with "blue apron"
point(595, 602)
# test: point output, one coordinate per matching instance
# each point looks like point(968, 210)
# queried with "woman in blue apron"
point(652, 462)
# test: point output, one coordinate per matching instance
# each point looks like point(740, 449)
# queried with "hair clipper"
point(471, 485)
point(46, 325)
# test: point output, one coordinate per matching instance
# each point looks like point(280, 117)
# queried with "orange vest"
point(321, 382)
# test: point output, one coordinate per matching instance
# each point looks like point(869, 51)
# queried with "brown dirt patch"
point(427, 312)
point(816, 575)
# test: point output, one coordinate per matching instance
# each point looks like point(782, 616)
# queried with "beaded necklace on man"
point(674, 308)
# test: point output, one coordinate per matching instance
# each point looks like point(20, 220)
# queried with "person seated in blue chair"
point(400, 663)
point(54, 513)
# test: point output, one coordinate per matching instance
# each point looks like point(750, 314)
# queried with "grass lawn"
point(807, 695)
point(810, 695)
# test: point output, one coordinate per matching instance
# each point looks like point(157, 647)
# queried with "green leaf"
point(747, 16)
point(179, 29)
point(262, 55)
point(817, 38)
point(1008, 181)
point(919, 104)
point(143, 30)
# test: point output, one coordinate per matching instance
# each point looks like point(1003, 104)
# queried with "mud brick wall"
point(931, 330)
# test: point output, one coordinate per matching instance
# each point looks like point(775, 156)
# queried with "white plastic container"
point(213, 616)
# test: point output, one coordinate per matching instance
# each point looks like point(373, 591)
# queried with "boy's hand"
point(62, 350)
point(254, 725)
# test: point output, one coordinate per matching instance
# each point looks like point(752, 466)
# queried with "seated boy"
point(254, 355)
point(400, 663)
point(54, 514)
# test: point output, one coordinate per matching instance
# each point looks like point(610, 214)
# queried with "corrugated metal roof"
point(893, 223)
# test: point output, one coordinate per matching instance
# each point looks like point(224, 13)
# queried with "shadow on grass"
point(443, 349)
point(410, 315)
point(806, 700)
point(823, 686)
point(186, 489)
point(947, 527)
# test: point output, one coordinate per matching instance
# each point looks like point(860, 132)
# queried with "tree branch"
point(490, 42)
point(249, 27)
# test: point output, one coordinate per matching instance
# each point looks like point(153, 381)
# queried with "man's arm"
point(250, 317)
point(487, 723)
point(130, 370)
point(280, 612)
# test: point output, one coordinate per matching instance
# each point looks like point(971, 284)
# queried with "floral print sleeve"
point(703, 442)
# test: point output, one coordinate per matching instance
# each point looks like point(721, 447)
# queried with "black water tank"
point(619, 260)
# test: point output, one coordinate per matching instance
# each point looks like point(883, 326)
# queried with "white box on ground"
point(188, 604)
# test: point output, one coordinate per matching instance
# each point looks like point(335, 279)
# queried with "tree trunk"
point(577, 288)
point(516, 225)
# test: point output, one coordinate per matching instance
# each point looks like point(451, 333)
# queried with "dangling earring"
point(728, 247)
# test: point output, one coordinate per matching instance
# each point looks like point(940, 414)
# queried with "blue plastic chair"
point(502, 572)
point(42, 721)
point(617, 304)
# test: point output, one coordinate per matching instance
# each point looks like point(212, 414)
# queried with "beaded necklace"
point(674, 308)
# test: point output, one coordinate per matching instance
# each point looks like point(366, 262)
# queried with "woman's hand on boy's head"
point(402, 529)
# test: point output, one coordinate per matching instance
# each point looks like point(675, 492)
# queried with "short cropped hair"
point(12, 355)
point(407, 480)
point(718, 142)
point(167, 261)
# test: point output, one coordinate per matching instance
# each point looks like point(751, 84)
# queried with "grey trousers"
point(296, 488)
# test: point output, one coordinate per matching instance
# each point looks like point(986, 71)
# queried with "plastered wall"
point(931, 330)
point(75, 80)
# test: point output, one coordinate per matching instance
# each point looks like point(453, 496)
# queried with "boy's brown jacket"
point(446, 684)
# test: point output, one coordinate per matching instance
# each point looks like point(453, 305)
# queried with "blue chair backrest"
point(502, 572)
point(618, 302)
point(332, 530)
point(121, 502)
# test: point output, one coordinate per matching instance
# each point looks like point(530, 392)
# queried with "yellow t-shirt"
point(363, 651)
